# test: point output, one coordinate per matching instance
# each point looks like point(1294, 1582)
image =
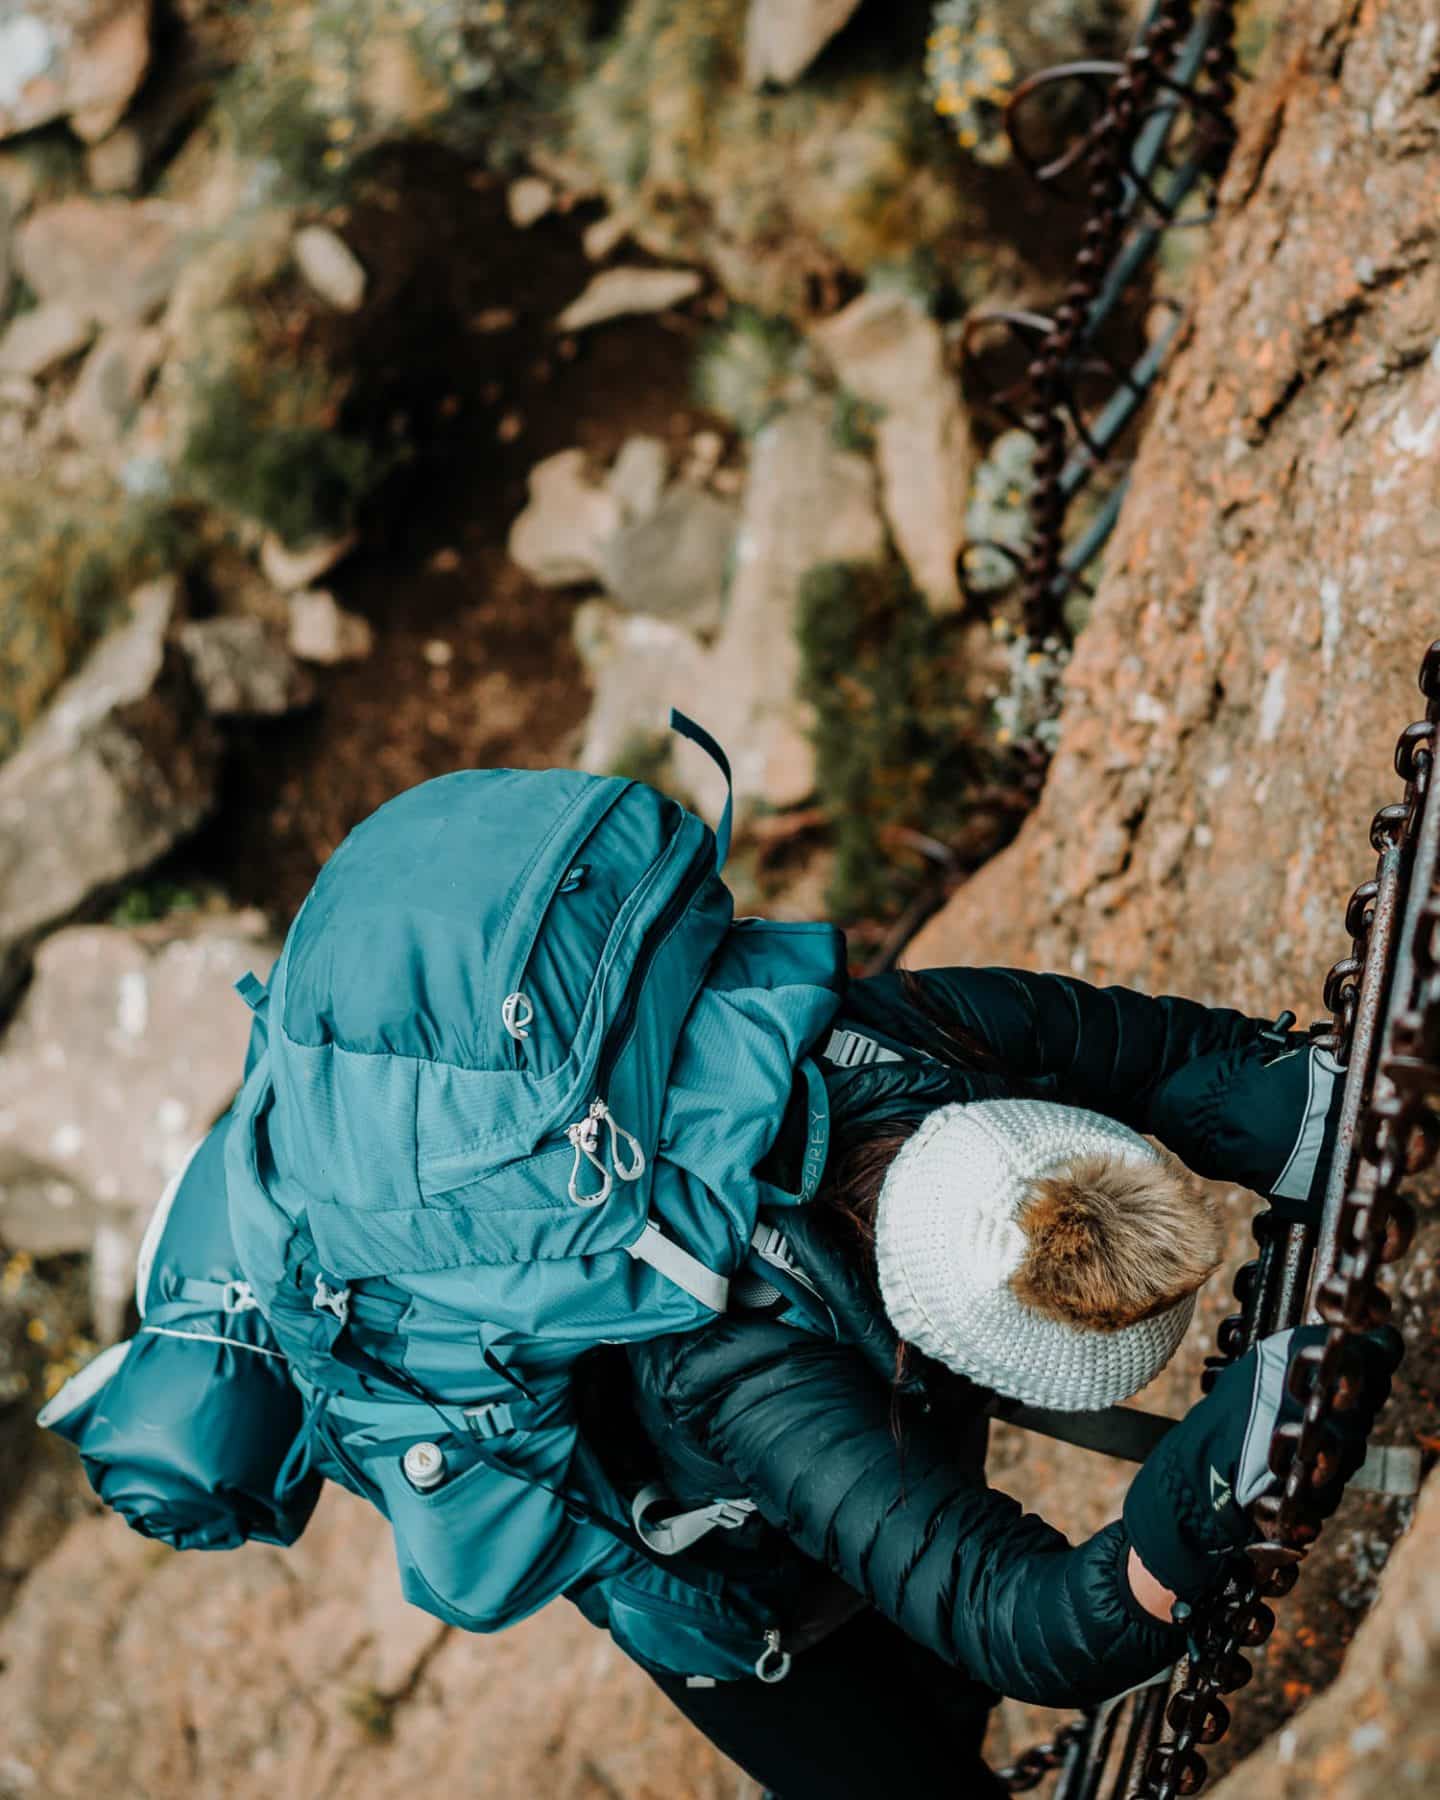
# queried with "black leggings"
point(865, 1714)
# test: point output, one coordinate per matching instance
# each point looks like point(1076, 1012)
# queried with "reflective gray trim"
point(211, 1337)
point(155, 1230)
point(677, 1264)
point(1298, 1176)
point(1253, 1475)
point(87, 1381)
point(852, 1049)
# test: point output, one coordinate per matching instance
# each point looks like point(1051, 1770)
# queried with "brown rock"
point(117, 163)
point(115, 259)
point(75, 59)
point(783, 37)
point(112, 383)
point(615, 293)
point(243, 670)
point(806, 502)
point(119, 767)
point(322, 631)
point(43, 338)
point(888, 352)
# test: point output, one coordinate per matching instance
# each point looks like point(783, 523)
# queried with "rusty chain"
point(1183, 60)
point(1384, 1029)
point(1383, 997)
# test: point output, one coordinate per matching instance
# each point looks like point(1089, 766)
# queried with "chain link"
point(1389, 988)
point(1383, 996)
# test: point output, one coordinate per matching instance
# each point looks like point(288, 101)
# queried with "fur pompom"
point(1112, 1241)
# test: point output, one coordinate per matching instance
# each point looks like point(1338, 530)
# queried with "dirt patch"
point(473, 664)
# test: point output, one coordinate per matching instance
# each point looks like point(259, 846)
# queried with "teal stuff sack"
point(183, 1428)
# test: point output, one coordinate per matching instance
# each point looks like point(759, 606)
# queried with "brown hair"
point(1113, 1242)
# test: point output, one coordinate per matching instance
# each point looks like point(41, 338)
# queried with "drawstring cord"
point(300, 1458)
point(584, 1138)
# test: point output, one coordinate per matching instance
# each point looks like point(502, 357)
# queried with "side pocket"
point(665, 1623)
point(484, 1548)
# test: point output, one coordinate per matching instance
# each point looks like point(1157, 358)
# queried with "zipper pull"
point(774, 1663)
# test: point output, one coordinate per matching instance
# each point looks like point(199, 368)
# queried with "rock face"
point(304, 1672)
point(1233, 704)
point(118, 769)
point(75, 59)
point(888, 352)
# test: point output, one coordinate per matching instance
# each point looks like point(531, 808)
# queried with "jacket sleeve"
point(1107, 1048)
point(804, 1427)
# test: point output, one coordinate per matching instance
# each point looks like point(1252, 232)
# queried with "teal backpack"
point(515, 1071)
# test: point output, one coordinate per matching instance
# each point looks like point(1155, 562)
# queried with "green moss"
point(67, 565)
point(894, 744)
point(278, 121)
point(743, 368)
point(853, 422)
point(261, 446)
point(152, 900)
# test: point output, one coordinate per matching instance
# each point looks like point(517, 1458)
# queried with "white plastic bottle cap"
point(424, 1466)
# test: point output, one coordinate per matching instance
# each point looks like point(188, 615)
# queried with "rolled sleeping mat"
point(184, 1428)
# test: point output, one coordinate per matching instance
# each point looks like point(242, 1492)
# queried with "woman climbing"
point(616, 1248)
point(991, 1221)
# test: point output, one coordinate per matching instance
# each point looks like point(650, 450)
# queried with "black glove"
point(1187, 1508)
point(1263, 1116)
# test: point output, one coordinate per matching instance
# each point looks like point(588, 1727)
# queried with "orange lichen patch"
point(1297, 1692)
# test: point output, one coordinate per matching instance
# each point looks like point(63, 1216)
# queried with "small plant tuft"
point(895, 744)
point(744, 368)
point(67, 565)
point(264, 445)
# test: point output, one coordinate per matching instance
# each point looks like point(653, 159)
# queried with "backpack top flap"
point(455, 988)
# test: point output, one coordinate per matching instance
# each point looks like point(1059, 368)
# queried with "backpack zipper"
point(656, 932)
point(583, 1136)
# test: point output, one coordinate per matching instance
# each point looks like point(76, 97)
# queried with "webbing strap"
point(676, 1264)
point(697, 734)
point(852, 1049)
point(252, 990)
point(667, 1537)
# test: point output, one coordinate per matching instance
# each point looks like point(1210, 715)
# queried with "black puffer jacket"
point(803, 1425)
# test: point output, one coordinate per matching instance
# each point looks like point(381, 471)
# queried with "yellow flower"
point(37, 1331)
point(340, 130)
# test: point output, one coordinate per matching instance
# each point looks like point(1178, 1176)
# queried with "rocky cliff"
point(1232, 706)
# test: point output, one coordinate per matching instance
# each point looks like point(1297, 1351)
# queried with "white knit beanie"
point(948, 1241)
